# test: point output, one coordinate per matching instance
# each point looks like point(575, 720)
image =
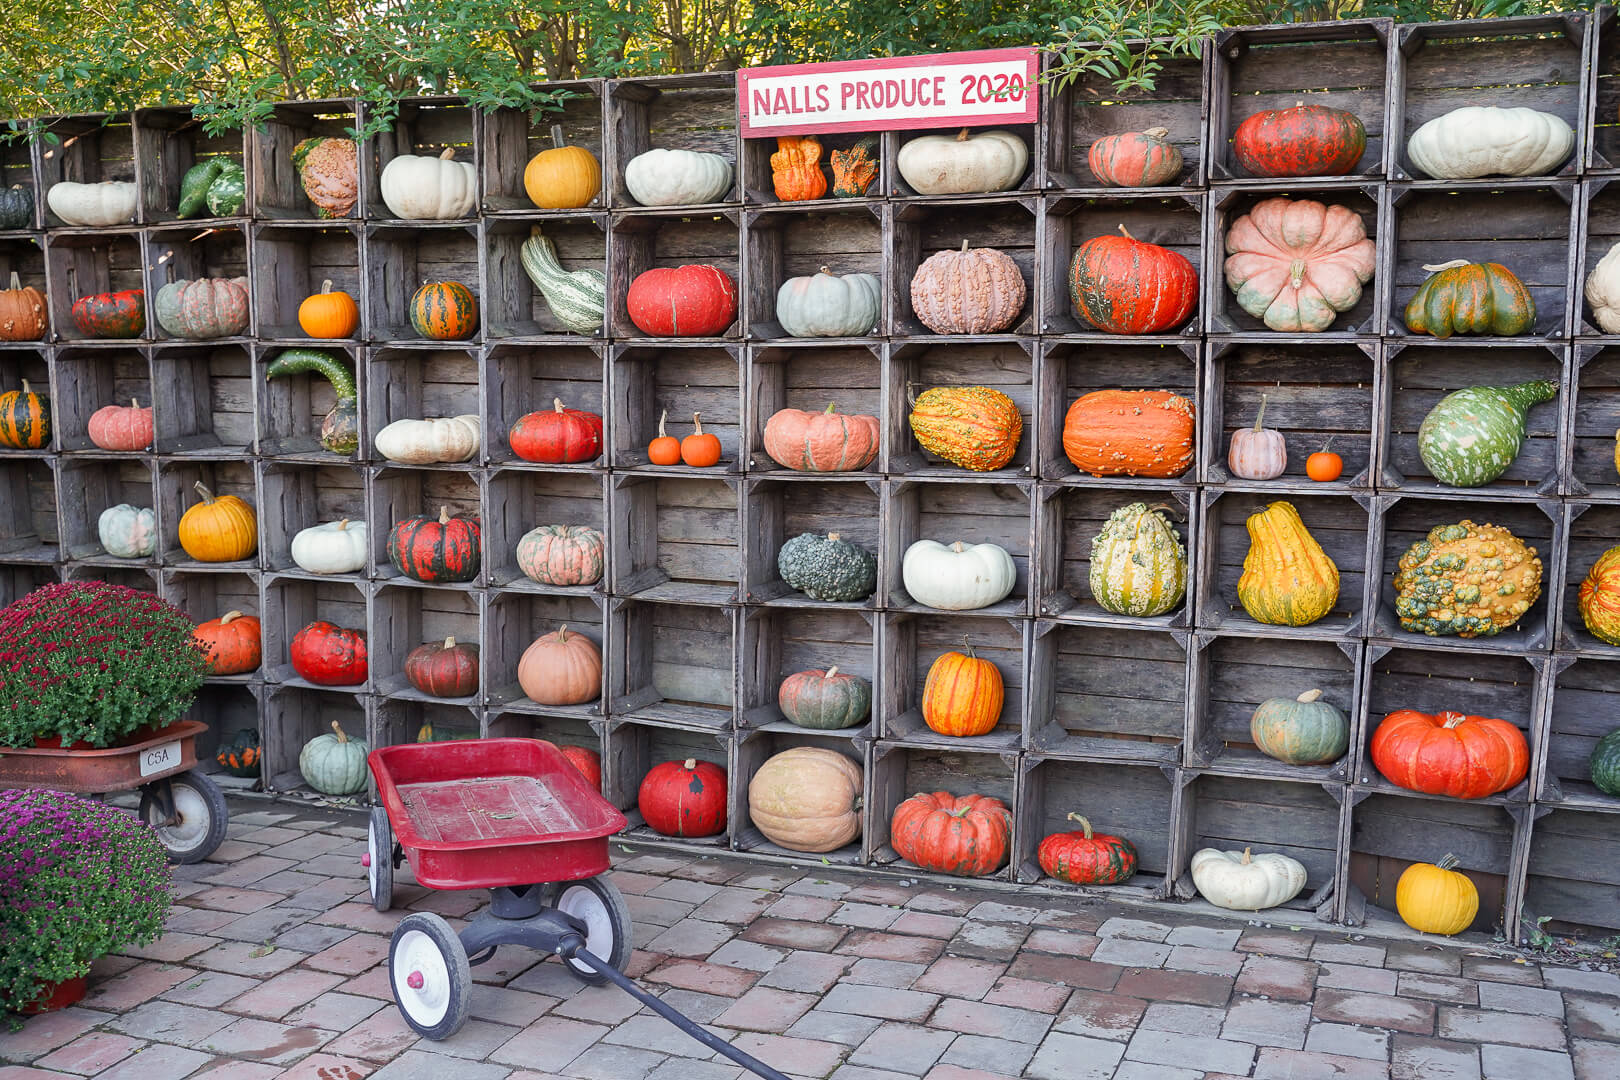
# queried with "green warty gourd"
point(827, 567)
point(1138, 563)
point(1472, 436)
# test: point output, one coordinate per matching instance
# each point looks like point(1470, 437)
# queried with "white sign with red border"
point(990, 86)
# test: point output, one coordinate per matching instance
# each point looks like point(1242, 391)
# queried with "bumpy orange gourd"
point(1130, 433)
point(796, 168)
point(329, 314)
point(972, 426)
point(221, 529)
point(963, 695)
point(854, 169)
point(1288, 580)
point(966, 835)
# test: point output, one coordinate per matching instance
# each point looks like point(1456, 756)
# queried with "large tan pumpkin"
point(971, 291)
point(561, 668)
point(807, 799)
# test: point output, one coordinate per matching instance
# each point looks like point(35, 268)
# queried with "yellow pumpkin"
point(1435, 899)
point(1288, 580)
point(219, 529)
point(564, 177)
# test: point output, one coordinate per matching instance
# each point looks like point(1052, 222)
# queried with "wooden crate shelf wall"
point(1138, 723)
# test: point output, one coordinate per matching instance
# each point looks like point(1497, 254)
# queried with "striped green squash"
point(1473, 435)
point(577, 297)
point(1138, 563)
point(445, 311)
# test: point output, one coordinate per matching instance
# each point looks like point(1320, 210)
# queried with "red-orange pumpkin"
point(1135, 159)
point(587, 761)
point(1130, 433)
point(682, 301)
point(827, 441)
point(443, 669)
point(939, 831)
point(1305, 140)
point(329, 655)
point(1124, 286)
point(557, 436)
point(231, 642)
point(436, 549)
point(684, 798)
point(1448, 753)
point(1086, 857)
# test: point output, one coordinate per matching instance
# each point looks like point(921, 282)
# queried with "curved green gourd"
point(340, 432)
point(577, 297)
point(827, 567)
point(1472, 436)
point(1138, 563)
point(1605, 763)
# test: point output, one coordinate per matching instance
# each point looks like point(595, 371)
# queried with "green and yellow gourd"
point(577, 297)
point(1472, 436)
point(1466, 580)
point(1138, 563)
point(1460, 297)
point(1288, 580)
point(217, 185)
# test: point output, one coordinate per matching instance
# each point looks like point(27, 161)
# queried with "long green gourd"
point(1472, 436)
point(340, 432)
point(577, 297)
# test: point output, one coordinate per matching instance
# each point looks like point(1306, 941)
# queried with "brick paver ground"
point(275, 969)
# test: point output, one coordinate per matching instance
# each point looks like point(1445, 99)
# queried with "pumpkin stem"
point(1246, 857)
point(1260, 416)
point(1126, 233)
point(1085, 826)
point(562, 632)
point(25, 389)
point(911, 393)
point(1327, 444)
point(444, 515)
point(1299, 104)
point(832, 536)
point(342, 738)
point(557, 137)
point(16, 282)
point(828, 271)
point(326, 286)
point(449, 642)
point(134, 402)
point(342, 525)
point(1437, 267)
point(229, 616)
point(689, 764)
point(1453, 719)
point(697, 425)
point(556, 403)
point(962, 136)
point(1309, 696)
point(448, 153)
point(662, 434)
point(831, 405)
point(964, 245)
point(957, 547)
point(207, 496)
point(831, 672)
point(1447, 861)
point(967, 646)
point(1157, 133)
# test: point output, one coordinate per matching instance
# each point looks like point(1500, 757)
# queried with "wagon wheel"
point(427, 966)
point(598, 904)
point(380, 859)
point(188, 813)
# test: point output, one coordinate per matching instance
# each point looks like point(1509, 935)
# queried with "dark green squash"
point(240, 756)
point(825, 699)
point(827, 567)
point(17, 207)
point(194, 187)
point(1605, 763)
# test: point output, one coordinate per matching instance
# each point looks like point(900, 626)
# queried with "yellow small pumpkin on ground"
point(219, 529)
point(1436, 899)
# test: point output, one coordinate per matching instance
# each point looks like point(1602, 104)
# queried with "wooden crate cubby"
point(291, 604)
point(1590, 530)
point(33, 363)
point(203, 405)
point(1537, 62)
point(750, 751)
point(656, 377)
point(965, 510)
point(85, 487)
point(673, 664)
point(1570, 879)
point(85, 263)
point(291, 409)
point(177, 493)
point(1598, 235)
point(632, 749)
point(140, 578)
point(1222, 315)
point(1431, 680)
point(758, 184)
point(1527, 227)
point(1579, 714)
point(509, 138)
point(1340, 524)
point(1230, 676)
point(520, 379)
point(422, 127)
point(1174, 221)
point(518, 500)
point(18, 579)
point(406, 615)
point(1419, 374)
point(1299, 819)
point(1403, 520)
point(228, 710)
point(401, 721)
point(400, 259)
point(292, 262)
point(1388, 833)
point(911, 643)
point(90, 379)
point(293, 715)
point(777, 510)
point(1107, 693)
point(84, 150)
point(779, 642)
point(798, 240)
point(182, 253)
point(28, 533)
point(294, 497)
point(204, 594)
point(918, 229)
point(171, 140)
point(1091, 107)
point(898, 772)
point(1313, 395)
point(695, 112)
point(809, 375)
point(275, 189)
point(397, 493)
point(23, 254)
point(1603, 93)
point(514, 309)
point(914, 367)
point(676, 538)
point(411, 384)
point(562, 730)
point(17, 170)
point(1258, 69)
point(1592, 403)
point(1134, 802)
point(892, 142)
point(644, 240)
point(512, 621)
point(1068, 520)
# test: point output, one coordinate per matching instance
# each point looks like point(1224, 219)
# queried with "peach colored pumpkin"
point(1295, 264)
point(561, 669)
point(827, 441)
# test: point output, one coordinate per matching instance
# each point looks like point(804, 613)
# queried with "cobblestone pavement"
point(275, 966)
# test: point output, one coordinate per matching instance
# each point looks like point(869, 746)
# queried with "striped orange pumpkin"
point(445, 311)
point(25, 420)
point(1600, 597)
point(972, 426)
point(963, 694)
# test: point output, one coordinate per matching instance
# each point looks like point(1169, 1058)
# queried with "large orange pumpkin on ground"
point(1448, 753)
point(1130, 433)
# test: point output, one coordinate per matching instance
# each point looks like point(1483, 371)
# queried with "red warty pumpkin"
point(1086, 857)
point(940, 832)
point(684, 798)
point(110, 314)
point(443, 669)
point(1466, 757)
point(559, 436)
point(682, 301)
point(435, 549)
point(231, 642)
point(117, 427)
point(328, 655)
point(1306, 140)
point(587, 761)
point(1124, 286)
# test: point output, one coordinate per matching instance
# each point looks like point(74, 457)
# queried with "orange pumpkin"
point(701, 448)
point(1130, 433)
point(666, 449)
point(329, 314)
point(563, 177)
point(22, 312)
point(560, 668)
point(966, 835)
point(222, 529)
point(444, 311)
point(25, 419)
point(963, 695)
point(796, 168)
point(231, 643)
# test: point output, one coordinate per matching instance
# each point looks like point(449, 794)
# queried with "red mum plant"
point(92, 662)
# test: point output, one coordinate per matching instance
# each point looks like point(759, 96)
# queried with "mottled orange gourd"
point(1130, 433)
point(796, 168)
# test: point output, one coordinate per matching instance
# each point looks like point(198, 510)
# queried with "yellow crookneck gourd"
point(1288, 580)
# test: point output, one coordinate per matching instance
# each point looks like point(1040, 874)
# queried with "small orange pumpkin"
point(796, 168)
point(701, 448)
point(231, 643)
point(666, 449)
point(329, 314)
point(963, 695)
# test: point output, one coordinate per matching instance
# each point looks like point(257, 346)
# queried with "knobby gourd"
point(1138, 563)
point(827, 567)
point(976, 427)
point(855, 169)
point(1466, 580)
point(1149, 433)
point(796, 168)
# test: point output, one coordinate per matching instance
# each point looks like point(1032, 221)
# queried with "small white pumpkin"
point(128, 532)
point(1483, 140)
point(957, 578)
point(677, 177)
point(964, 163)
point(336, 547)
point(1603, 291)
point(430, 187)
point(436, 439)
point(111, 202)
point(1243, 882)
point(827, 305)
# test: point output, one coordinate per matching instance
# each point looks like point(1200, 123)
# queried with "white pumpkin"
point(1603, 291)
point(128, 532)
point(1483, 140)
point(337, 547)
point(437, 439)
point(111, 202)
point(964, 163)
point(677, 177)
point(827, 305)
point(1244, 882)
point(957, 578)
point(430, 187)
